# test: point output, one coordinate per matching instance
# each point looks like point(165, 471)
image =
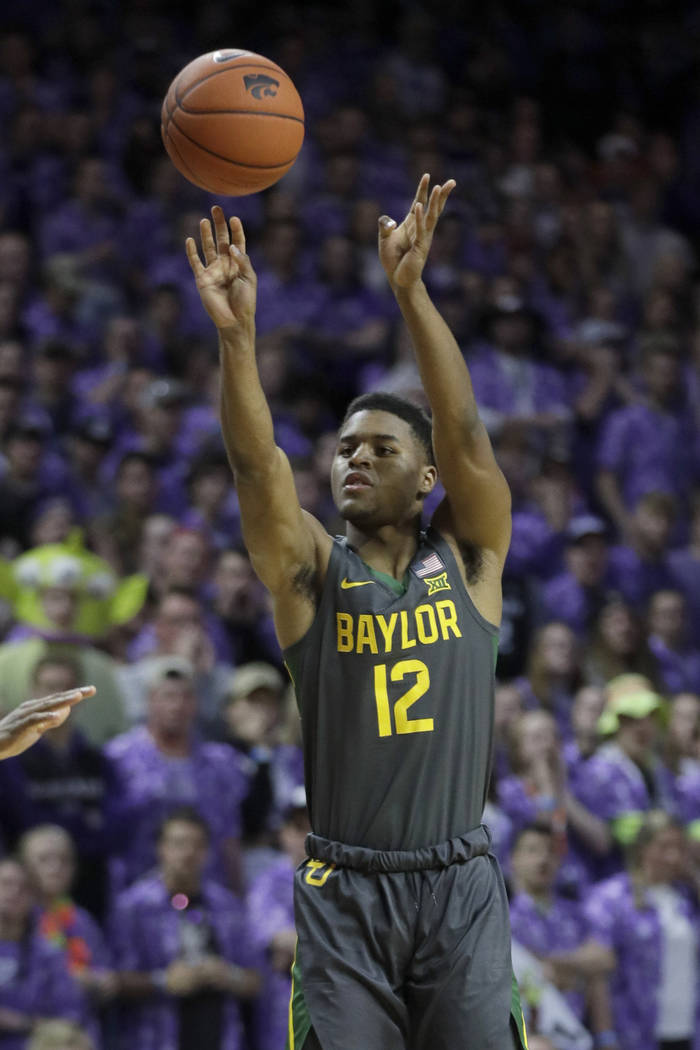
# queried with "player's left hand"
point(403, 249)
point(23, 726)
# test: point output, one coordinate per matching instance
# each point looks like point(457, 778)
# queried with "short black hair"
point(184, 815)
point(413, 414)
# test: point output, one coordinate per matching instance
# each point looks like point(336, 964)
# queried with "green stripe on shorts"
point(299, 1019)
point(516, 1013)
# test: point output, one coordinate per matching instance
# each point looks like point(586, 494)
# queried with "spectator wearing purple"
point(271, 912)
point(241, 607)
point(64, 780)
point(85, 446)
point(163, 765)
point(185, 565)
point(116, 533)
point(669, 641)
point(183, 950)
point(648, 917)
point(684, 563)
point(681, 759)
point(36, 984)
point(650, 445)
point(551, 926)
point(641, 566)
point(623, 779)
point(212, 503)
point(512, 388)
point(87, 224)
point(553, 673)
point(538, 793)
point(29, 472)
point(253, 715)
point(575, 596)
point(48, 855)
point(179, 629)
point(618, 645)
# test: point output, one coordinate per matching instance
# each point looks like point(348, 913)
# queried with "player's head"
point(384, 465)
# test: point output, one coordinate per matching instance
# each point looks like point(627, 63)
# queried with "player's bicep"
point(478, 497)
point(279, 537)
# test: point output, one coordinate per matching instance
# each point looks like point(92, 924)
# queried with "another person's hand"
point(182, 978)
point(227, 284)
point(404, 249)
point(282, 948)
point(23, 726)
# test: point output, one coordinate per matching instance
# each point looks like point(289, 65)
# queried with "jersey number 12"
point(402, 722)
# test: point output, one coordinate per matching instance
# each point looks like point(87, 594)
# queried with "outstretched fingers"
point(421, 196)
point(221, 228)
point(207, 238)
point(237, 233)
point(193, 257)
point(438, 200)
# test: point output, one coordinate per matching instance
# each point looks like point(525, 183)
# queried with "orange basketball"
point(232, 122)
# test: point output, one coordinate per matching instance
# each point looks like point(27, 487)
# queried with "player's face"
point(380, 472)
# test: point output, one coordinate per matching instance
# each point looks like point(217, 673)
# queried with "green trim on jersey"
point(299, 1024)
point(397, 586)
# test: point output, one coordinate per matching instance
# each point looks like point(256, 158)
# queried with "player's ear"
point(428, 481)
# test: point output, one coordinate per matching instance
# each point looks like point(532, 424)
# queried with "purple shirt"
point(563, 598)
point(507, 386)
point(636, 579)
point(634, 934)
point(558, 927)
point(209, 779)
point(148, 933)
point(685, 570)
point(271, 909)
point(649, 451)
point(679, 669)
point(34, 980)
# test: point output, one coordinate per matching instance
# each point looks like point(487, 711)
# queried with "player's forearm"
point(246, 421)
point(441, 364)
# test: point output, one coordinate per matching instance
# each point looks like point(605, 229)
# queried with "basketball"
point(232, 122)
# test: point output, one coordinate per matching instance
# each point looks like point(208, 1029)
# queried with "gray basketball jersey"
point(396, 699)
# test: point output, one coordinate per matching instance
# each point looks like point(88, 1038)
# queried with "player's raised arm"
point(478, 495)
point(283, 541)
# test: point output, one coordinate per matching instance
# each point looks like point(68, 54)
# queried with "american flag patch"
point(429, 566)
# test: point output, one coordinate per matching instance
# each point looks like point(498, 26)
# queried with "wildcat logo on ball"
point(260, 85)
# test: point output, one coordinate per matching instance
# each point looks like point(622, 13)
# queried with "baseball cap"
point(629, 696)
point(585, 525)
point(257, 675)
point(162, 668)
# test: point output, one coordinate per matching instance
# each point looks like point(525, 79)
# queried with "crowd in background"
point(148, 844)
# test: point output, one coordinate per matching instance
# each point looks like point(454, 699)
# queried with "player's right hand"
point(226, 282)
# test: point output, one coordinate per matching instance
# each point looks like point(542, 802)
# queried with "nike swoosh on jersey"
point(345, 583)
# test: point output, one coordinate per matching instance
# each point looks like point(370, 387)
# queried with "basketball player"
point(23, 726)
point(390, 636)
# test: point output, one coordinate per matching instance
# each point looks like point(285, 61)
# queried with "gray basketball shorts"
point(403, 950)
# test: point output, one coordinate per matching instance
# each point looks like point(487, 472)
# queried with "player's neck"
point(389, 549)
